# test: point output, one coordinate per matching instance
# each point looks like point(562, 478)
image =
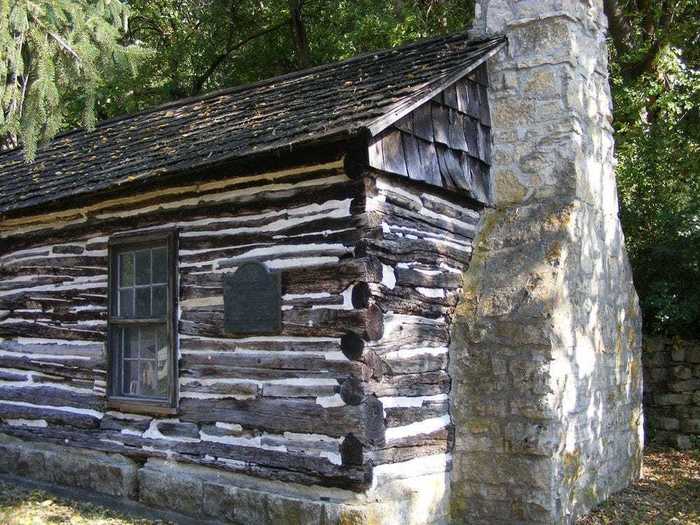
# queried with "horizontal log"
point(51, 416)
point(319, 322)
point(419, 446)
point(112, 421)
point(366, 420)
point(330, 278)
point(67, 369)
point(237, 390)
point(334, 229)
point(257, 374)
point(53, 349)
point(46, 395)
point(34, 329)
point(436, 278)
point(415, 363)
point(401, 416)
point(426, 384)
point(273, 344)
point(412, 251)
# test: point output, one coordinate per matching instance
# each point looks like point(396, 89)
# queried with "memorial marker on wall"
point(253, 300)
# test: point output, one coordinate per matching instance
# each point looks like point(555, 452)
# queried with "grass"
point(668, 493)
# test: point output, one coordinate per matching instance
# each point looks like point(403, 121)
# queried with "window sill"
point(141, 407)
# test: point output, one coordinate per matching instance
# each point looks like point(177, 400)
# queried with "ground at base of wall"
point(24, 506)
point(668, 493)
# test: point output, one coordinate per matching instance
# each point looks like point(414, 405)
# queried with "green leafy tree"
point(656, 89)
point(200, 46)
point(54, 57)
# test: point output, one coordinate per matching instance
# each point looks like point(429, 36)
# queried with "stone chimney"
point(546, 348)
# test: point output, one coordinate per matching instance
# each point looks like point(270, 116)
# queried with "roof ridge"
point(270, 80)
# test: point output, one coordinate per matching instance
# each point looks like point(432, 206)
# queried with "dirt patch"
point(668, 493)
point(22, 506)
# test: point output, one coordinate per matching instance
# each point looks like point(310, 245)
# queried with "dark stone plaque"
point(253, 300)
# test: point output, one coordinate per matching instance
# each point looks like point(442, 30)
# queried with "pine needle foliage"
point(54, 53)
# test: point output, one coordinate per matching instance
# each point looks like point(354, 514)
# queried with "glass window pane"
point(160, 265)
point(130, 376)
point(162, 357)
point(143, 267)
point(126, 269)
point(159, 301)
point(143, 302)
point(152, 387)
point(148, 343)
point(126, 303)
point(130, 343)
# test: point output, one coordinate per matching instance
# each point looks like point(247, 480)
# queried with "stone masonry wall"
point(546, 345)
point(672, 391)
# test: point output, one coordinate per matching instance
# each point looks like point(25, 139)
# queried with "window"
point(142, 365)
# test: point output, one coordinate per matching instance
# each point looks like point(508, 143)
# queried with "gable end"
point(445, 142)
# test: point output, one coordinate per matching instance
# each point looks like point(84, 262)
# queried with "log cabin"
point(255, 285)
point(390, 291)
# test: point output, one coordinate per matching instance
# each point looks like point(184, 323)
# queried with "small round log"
point(352, 345)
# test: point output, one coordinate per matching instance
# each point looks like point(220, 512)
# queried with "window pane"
point(130, 374)
point(148, 343)
point(152, 387)
point(144, 362)
point(130, 343)
point(143, 267)
point(126, 269)
point(143, 302)
point(126, 303)
point(160, 265)
point(159, 301)
point(162, 357)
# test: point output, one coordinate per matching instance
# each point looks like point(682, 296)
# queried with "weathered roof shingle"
point(362, 93)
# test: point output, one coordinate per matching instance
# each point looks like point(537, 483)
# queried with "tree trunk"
point(301, 42)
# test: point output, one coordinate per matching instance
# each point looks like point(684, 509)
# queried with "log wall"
point(423, 241)
point(356, 379)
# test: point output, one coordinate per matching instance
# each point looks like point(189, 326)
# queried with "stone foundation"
point(210, 495)
point(672, 391)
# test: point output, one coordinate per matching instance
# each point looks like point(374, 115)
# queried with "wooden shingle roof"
point(363, 94)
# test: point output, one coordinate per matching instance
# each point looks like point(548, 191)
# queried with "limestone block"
point(682, 372)
point(540, 439)
point(672, 399)
point(693, 355)
point(653, 344)
point(659, 374)
point(691, 426)
point(678, 353)
point(110, 474)
point(685, 386)
point(169, 485)
point(660, 359)
point(682, 442)
point(9, 457)
point(667, 423)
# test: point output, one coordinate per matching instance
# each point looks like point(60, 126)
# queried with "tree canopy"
point(54, 58)
point(656, 89)
point(65, 63)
